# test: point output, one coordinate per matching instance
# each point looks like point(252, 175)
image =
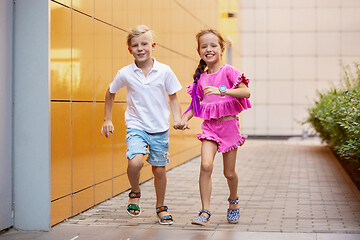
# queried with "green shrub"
point(336, 116)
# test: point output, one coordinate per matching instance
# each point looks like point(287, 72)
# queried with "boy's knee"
point(136, 162)
point(158, 171)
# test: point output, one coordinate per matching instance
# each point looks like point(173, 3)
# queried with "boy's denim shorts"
point(154, 144)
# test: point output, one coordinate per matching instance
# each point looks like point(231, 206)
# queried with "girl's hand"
point(107, 128)
point(211, 90)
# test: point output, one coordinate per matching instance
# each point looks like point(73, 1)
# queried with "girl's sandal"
point(233, 215)
point(201, 219)
point(132, 208)
point(165, 220)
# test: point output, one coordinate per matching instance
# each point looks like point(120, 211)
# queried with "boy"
point(147, 116)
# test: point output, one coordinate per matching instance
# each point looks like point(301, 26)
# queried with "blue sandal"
point(165, 220)
point(233, 215)
point(201, 219)
point(131, 208)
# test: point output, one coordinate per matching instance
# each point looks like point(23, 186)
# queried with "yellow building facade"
point(87, 48)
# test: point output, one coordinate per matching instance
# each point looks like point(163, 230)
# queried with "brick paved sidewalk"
point(288, 190)
point(284, 186)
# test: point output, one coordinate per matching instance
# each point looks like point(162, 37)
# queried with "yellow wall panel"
point(102, 10)
point(60, 149)
point(83, 200)
point(60, 210)
point(60, 52)
point(103, 148)
point(103, 191)
point(84, 6)
point(119, 13)
point(82, 57)
point(65, 2)
point(138, 13)
point(83, 145)
point(102, 59)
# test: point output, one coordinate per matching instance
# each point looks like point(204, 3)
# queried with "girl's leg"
point(133, 173)
point(160, 180)
point(229, 160)
point(208, 151)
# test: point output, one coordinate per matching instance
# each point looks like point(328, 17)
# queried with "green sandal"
point(131, 208)
point(165, 220)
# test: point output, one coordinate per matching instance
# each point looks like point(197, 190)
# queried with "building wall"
point(6, 8)
point(88, 46)
point(290, 49)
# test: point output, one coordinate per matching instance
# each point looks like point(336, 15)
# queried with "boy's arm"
point(108, 126)
point(175, 108)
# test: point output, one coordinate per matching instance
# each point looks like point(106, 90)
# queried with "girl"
point(223, 93)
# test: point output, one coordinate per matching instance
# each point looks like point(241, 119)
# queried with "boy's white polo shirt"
point(148, 106)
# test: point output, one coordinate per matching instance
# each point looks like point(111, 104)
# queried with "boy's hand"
point(107, 128)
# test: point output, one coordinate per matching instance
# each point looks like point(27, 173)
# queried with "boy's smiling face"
point(141, 47)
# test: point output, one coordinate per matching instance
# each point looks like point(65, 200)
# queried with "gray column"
point(31, 124)
point(6, 8)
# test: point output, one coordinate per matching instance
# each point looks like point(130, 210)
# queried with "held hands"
point(181, 125)
point(107, 128)
point(211, 90)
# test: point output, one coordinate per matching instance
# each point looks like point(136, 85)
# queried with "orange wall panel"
point(120, 161)
point(120, 184)
point(60, 149)
point(83, 145)
point(82, 57)
point(60, 53)
point(83, 200)
point(103, 191)
point(60, 210)
point(102, 59)
point(103, 148)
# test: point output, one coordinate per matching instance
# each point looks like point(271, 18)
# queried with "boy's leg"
point(160, 181)
point(136, 141)
point(133, 172)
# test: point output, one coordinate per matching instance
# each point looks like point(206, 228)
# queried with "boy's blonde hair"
point(138, 30)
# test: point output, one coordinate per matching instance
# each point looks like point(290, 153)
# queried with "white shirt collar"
point(154, 68)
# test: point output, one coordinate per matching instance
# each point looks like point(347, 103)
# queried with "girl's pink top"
point(215, 106)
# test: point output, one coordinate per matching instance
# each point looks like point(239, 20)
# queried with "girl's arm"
point(242, 91)
point(185, 119)
point(108, 126)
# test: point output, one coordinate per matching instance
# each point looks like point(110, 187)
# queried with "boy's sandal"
point(165, 220)
point(132, 208)
point(201, 219)
point(233, 215)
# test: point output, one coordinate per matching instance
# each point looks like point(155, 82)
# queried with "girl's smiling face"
point(209, 48)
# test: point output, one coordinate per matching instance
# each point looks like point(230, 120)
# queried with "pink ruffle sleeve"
point(190, 89)
point(245, 102)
